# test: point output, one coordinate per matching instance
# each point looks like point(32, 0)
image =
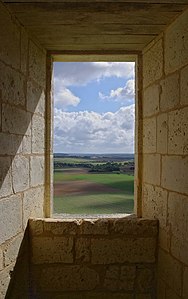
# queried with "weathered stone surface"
point(37, 171)
point(151, 168)
point(164, 238)
point(174, 173)
point(61, 227)
point(15, 120)
point(149, 135)
point(176, 47)
point(144, 279)
point(178, 132)
point(94, 226)
point(38, 134)
point(69, 278)
point(169, 97)
point(36, 227)
point(170, 294)
point(11, 217)
point(5, 177)
point(82, 249)
point(24, 50)
point(111, 281)
point(161, 289)
point(151, 100)
point(169, 269)
point(179, 249)
point(185, 284)
point(4, 281)
point(35, 98)
point(52, 250)
point(90, 295)
point(1, 259)
point(11, 249)
point(133, 250)
point(20, 173)
point(153, 63)
point(184, 86)
point(127, 278)
point(33, 201)
point(143, 296)
point(10, 144)
point(155, 203)
point(37, 64)
point(162, 131)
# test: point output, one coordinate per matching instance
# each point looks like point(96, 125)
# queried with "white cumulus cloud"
point(63, 97)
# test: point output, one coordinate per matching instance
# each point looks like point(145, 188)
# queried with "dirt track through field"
point(81, 188)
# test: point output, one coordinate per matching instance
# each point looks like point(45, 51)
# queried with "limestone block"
point(0, 110)
point(25, 145)
point(24, 50)
point(5, 177)
point(9, 39)
point(52, 250)
point(145, 279)
point(169, 269)
point(151, 100)
point(161, 289)
point(10, 144)
point(154, 203)
point(13, 86)
point(36, 170)
point(111, 280)
point(184, 86)
point(110, 251)
point(11, 217)
point(82, 249)
point(61, 227)
point(165, 238)
point(15, 120)
point(64, 278)
point(4, 281)
point(176, 47)
point(179, 249)
point(36, 227)
point(33, 202)
point(149, 135)
point(151, 169)
point(38, 131)
point(185, 284)
point(1, 260)
point(11, 249)
point(37, 64)
point(94, 226)
point(178, 132)
point(143, 296)
point(20, 173)
point(35, 98)
point(127, 278)
point(90, 295)
point(170, 294)
point(153, 63)
point(162, 131)
point(174, 173)
point(169, 97)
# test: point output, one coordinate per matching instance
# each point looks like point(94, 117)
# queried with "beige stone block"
point(90, 295)
point(169, 269)
point(111, 280)
point(68, 278)
point(162, 133)
point(5, 177)
point(174, 173)
point(4, 281)
point(178, 132)
point(151, 100)
point(9, 39)
point(36, 170)
point(127, 278)
point(13, 86)
point(133, 250)
point(82, 249)
point(170, 294)
point(11, 249)
point(37, 64)
point(10, 144)
point(25, 146)
point(35, 98)
point(176, 47)
point(185, 284)
point(144, 280)
point(15, 120)
point(149, 135)
point(24, 50)
point(153, 63)
point(1, 260)
point(11, 217)
point(61, 227)
point(20, 173)
point(52, 250)
point(38, 130)
point(36, 227)
point(161, 289)
point(169, 97)
point(179, 249)
point(164, 238)
point(143, 296)
point(184, 86)
point(154, 203)
point(151, 168)
point(94, 226)
point(33, 204)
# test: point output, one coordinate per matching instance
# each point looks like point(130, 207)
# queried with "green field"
point(117, 196)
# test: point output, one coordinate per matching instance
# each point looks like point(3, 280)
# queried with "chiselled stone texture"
point(71, 256)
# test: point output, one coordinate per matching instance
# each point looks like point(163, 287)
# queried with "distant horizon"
point(94, 153)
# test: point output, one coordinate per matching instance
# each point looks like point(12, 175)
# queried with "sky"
point(94, 107)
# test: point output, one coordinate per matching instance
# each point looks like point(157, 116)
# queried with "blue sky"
point(94, 107)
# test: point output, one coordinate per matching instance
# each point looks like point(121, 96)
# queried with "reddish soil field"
point(81, 187)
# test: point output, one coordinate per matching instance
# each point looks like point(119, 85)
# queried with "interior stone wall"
point(93, 258)
point(165, 153)
point(22, 122)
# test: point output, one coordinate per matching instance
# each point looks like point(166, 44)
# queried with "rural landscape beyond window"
point(94, 120)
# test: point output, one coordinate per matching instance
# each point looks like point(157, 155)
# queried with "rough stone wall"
point(102, 258)
point(22, 117)
point(165, 153)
